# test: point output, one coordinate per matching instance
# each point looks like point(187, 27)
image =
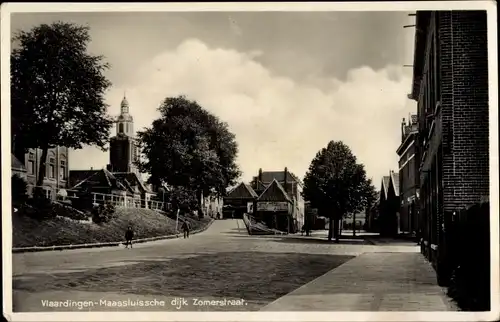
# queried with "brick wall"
point(463, 60)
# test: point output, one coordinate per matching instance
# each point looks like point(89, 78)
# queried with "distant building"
point(123, 148)
point(290, 184)
point(388, 219)
point(121, 176)
point(450, 84)
point(408, 153)
point(56, 170)
point(240, 200)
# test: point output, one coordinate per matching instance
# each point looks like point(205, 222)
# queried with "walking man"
point(185, 228)
point(129, 235)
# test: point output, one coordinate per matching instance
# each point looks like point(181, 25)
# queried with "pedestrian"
point(185, 228)
point(218, 215)
point(129, 235)
point(303, 229)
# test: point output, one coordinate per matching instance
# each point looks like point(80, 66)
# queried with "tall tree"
point(57, 91)
point(336, 184)
point(189, 147)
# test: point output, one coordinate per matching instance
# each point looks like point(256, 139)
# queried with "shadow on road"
point(257, 277)
point(307, 240)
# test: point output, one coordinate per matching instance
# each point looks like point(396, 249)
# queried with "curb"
point(100, 245)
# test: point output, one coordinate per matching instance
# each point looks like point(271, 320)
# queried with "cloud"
point(278, 122)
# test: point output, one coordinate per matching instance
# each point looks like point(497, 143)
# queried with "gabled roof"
point(15, 164)
point(385, 185)
point(81, 177)
point(269, 176)
point(274, 192)
point(242, 190)
point(394, 182)
point(130, 177)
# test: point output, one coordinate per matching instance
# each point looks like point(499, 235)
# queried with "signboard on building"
point(250, 208)
point(272, 206)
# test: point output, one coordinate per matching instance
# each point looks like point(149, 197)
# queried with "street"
point(223, 268)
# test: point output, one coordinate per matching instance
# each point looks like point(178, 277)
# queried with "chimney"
point(260, 174)
point(286, 175)
point(403, 125)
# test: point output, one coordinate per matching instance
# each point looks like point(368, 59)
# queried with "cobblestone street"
point(225, 263)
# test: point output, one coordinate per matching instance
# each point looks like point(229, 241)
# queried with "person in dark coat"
point(129, 235)
point(186, 228)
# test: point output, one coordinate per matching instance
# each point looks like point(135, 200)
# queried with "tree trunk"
point(42, 169)
point(354, 224)
point(330, 228)
point(336, 226)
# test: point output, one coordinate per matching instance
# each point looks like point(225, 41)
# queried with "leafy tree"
point(182, 199)
point(336, 184)
point(57, 91)
point(190, 148)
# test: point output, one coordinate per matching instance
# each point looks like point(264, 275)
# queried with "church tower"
point(123, 150)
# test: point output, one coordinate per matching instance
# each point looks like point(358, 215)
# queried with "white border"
point(8, 8)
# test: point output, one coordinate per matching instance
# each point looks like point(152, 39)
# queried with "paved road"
point(224, 251)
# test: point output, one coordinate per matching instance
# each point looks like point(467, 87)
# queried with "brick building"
point(450, 84)
point(409, 175)
point(56, 170)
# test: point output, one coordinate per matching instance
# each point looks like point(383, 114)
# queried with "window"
point(127, 127)
point(120, 128)
point(31, 167)
point(62, 172)
point(52, 168)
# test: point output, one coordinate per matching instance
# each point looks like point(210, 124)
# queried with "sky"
point(285, 82)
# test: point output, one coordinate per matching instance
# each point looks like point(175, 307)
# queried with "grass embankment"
point(28, 232)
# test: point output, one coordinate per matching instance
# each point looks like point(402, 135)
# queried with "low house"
point(389, 205)
point(115, 187)
point(238, 201)
point(290, 184)
point(275, 208)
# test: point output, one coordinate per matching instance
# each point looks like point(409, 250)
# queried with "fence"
point(128, 202)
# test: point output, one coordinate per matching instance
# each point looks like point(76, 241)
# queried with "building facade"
point(291, 185)
point(56, 173)
point(408, 153)
point(238, 201)
point(450, 84)
point(123, 149)
point(388, 221)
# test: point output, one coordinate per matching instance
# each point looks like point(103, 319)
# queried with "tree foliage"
point(336, 184)
point(57, 90)
point(189, 147)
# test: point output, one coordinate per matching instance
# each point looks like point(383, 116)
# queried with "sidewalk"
point(371, 282)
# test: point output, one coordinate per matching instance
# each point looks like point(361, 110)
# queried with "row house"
point(409, 175)
point(450, 85)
